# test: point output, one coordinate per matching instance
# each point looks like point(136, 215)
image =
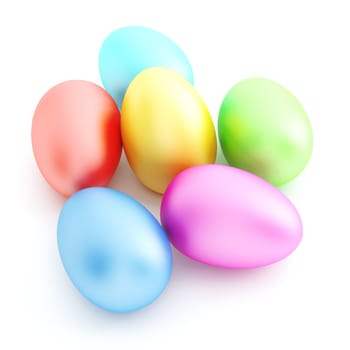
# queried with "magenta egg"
point(227, 217)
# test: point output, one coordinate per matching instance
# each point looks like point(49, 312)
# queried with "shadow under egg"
point(124, 180)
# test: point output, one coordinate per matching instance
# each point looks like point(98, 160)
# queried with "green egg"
point(264, 129)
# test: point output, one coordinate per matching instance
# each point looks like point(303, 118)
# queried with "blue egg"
point(129, 50)
point(113, 249)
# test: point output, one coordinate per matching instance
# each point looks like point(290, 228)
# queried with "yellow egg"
point(166, 127)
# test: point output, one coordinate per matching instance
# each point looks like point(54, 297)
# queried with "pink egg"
point(76, 136)
point(227, 217)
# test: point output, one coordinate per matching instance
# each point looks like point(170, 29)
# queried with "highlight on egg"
point(265, 130)
point(166, 127)
point(76, 136)
point(113, 249)
point(230, 218)
point(129, 50)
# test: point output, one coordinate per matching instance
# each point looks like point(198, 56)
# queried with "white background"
point(302, 302)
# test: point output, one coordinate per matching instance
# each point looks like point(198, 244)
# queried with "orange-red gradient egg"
point(76, 136)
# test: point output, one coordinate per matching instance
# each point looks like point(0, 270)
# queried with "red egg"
point(76, 136)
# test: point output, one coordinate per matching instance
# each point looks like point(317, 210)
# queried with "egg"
point(113, 249)
point(76, 136)
point(129, 50)
point(230, 218)
point(264, 129)
point(166, 127)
